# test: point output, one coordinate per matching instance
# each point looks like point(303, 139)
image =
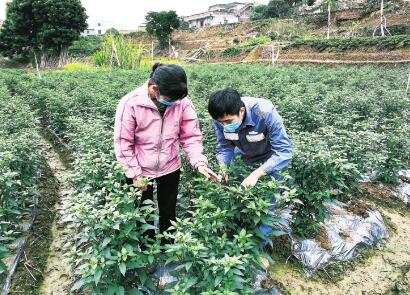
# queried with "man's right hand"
point(141, 183)
point(224, 173)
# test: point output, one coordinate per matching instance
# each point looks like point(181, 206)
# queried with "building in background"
point(219, 14)
point(96, 28)
point(127, 31)
point(142, 27)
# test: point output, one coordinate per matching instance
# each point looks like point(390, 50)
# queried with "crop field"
point(349, 128)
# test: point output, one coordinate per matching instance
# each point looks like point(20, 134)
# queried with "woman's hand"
point(208, 173)
point(141, 183)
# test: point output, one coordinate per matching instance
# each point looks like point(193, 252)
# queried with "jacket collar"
point(248, 115)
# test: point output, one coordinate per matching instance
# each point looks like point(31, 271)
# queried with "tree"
point(18, 33)
point(330, 4)
point(258, 12)
point(41, 28)
point(162, 24)
point(112, 31)
point(275, 8)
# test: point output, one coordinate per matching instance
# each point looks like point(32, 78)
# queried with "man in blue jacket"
point(250, 127)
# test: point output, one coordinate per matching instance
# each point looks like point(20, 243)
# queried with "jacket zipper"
point(160, 140)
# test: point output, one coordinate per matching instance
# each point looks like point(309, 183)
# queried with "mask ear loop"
point(159, 93)
point(243, 116)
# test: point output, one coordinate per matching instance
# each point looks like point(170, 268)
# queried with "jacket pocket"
point(255, 137)
point(231, 136)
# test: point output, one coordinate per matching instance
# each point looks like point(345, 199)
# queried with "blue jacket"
point(261, 138)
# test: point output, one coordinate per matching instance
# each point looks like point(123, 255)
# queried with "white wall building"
point(142, 27)
point(96, 28)
point(219, 14)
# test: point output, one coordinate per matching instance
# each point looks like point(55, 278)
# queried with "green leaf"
point(78, 285)
point(142, 276)
point(218, 281)
point(147, 226)
point(106, 241)
point(191, 281)
point(120, 290)
point(111, 290)
point(97, 275)
point(3, 267)
point(123, 268)
point(135, 292)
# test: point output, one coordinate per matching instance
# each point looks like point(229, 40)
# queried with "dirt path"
point(42, 270)
point(384, 272)
point(56, 275)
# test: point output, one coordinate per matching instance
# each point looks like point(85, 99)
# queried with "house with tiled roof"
point(219, 14)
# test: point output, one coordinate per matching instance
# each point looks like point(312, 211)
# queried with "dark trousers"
point(167, 192)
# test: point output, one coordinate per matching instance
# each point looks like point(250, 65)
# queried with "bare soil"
point(384, 271)
point(42, 269)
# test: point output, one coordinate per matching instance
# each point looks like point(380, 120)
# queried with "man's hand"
point(224, 173)
point(208, 173)
point(253, 178)
point(141, 183)
point(224, 178)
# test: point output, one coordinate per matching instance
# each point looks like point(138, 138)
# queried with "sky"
point(128, 14)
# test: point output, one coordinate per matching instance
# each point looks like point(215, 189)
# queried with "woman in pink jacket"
point(150, 123)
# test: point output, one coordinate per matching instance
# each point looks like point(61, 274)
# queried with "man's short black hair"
point(224, 102)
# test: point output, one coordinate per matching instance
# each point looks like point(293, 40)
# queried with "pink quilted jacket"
point(148, 145)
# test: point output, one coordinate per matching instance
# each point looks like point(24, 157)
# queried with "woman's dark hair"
point(170, 79)
point(224, 102)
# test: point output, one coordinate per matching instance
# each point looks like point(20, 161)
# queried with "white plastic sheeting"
point(345, 232)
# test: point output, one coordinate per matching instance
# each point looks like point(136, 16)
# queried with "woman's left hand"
point(208, 173)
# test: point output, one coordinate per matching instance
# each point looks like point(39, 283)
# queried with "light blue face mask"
point(166, 102)
point(232, 127)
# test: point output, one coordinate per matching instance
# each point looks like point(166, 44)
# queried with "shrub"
point(256, 41)
point(77, 67)
point(219, 243)
point(319, 175)
point(110, 253)
point(20, 167)
point(84, 46)
point(385, 43)
point(231, 52)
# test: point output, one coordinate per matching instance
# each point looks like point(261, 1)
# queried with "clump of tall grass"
point(120, 52)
